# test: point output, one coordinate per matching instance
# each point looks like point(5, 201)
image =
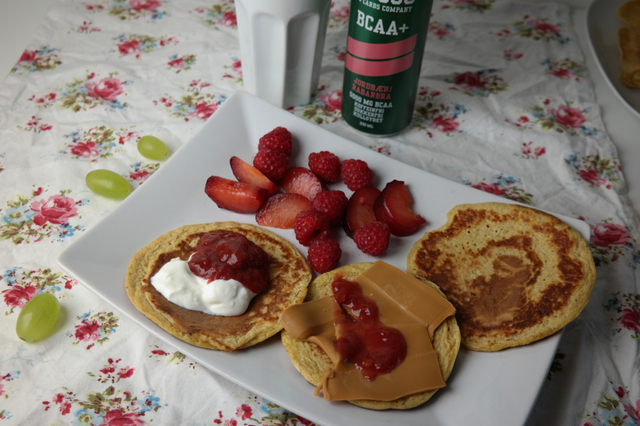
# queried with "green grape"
point(152, 147)
point(38, 317)
point(108, 184)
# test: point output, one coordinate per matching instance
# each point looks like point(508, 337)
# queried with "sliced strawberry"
point(298, 180)
point(360, 209)
point(238, 197)
point(280, 210)
point(392, 208)
point(246, 173)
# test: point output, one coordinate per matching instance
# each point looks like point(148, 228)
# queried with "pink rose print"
point(116, 418)
point(88, 331)
point(107, 89)
point(630, 320)
point(27, 56)
point(567, 116)
point(333, 100)
point(491, 188)
point(592, 177)
point(244, 411)
point(65, 406)
point(125, 372)
point(237, 67)
point(229, 19)
point(343, 12)
point(561, 73)
point(128, 47)
point(445, 125)
point(149, 5)
point(85, 149)
point(544, 26)
point(633, 412)
point(606, 234)
point(176, 63)
point(204, 111)
point(469, 80)
point(57, 210)
point(18, 295)
point(140, 175)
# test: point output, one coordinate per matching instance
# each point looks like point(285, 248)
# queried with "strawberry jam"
point(226, 255)
point(363, 340)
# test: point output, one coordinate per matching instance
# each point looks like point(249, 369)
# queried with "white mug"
point(281, 47)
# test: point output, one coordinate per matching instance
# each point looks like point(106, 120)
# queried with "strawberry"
point(280, 210)
point(299, 180)
point(238, 197)
point(246, 173)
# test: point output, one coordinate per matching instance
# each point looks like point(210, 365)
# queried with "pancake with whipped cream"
point(514, 274)
point(431, 333)
point(289, 276)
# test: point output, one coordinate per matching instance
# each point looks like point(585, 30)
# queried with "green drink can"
point(384, 55)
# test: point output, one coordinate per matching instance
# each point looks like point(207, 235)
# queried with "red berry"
point(325, 165)
point(308, 225)
point(324, 254)
point(279, 139)
point(331, 205)
point(372, 238)
point(273, 164)
point(356, 174)
point(280, 210)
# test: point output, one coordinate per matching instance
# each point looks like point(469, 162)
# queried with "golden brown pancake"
point(629, 46)
point(312, 362)
point(629, 13)
point(513, 273)
point(290, 275)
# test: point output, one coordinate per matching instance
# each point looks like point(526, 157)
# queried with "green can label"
point(384, 54)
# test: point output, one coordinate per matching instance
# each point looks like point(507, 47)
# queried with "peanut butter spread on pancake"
point(514, 274)
point(290, 275)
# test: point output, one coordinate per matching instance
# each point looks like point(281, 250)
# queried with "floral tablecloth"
point(505, 105)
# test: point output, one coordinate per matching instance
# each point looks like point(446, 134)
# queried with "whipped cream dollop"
point(179, 285)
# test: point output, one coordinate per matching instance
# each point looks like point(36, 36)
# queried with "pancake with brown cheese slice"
point(514, 274)
point(290, 275)
point(313, 363)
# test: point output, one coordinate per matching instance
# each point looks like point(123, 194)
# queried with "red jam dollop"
point(363, 340)
point(226, 255)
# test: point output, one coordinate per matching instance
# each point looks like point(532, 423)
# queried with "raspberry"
point(372, 238)
point(271, 163)
point(324, 254)
point(325, 165)
point(278, 139)
point(356, 174)
point(308, 225)
point(331, 205)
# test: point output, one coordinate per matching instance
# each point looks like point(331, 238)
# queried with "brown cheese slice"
point(405, 303)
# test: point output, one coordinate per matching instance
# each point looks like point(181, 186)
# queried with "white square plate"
point(484, 388)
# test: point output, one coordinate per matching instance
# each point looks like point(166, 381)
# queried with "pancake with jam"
point(432, 338)
point(514, 274)
point(289, 276)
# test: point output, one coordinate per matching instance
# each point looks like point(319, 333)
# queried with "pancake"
point(312, 362)
point(514, 274)
point(290, 275)
point(629, 46)
point(629, 13)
